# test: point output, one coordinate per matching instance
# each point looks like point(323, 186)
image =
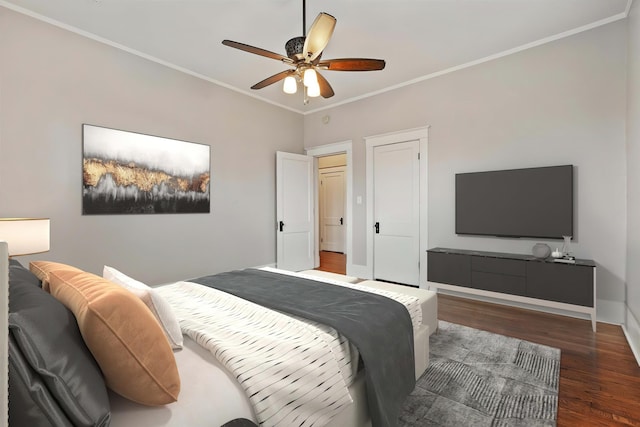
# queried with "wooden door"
point(396, 204)
point(294, 212)
point(332, 209)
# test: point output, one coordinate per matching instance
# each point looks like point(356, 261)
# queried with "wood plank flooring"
point(333, 262)
point(599, 377)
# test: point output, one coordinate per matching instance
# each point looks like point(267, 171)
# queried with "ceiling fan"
point(304, 56)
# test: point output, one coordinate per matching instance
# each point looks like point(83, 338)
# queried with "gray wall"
point(52, 81)
point(633, 155)
point(563, 102)
point(560, 103)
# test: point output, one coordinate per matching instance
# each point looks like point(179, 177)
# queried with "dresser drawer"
point(570, 284)
point(512, 267)
point(447, 268)
point(514, 285)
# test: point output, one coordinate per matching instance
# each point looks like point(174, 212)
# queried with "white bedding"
point(209, 396)
point(212, 396)
point(289, 368)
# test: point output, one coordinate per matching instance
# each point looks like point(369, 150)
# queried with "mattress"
point(209, 396)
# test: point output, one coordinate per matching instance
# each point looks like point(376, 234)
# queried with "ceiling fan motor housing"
point(294, 47)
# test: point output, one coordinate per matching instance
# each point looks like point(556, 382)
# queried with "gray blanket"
point(379, 327)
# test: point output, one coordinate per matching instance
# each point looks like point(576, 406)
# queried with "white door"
point(332, 204)
point(396, 204)
point(294, 212)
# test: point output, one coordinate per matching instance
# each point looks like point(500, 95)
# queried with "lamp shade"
point(290, 85)
point(313, 90)
point(25, 236)
point(310, 78)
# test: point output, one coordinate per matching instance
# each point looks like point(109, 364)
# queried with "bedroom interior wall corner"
point(632, 326)
point(559, 103)
point(631, 329)
point(2, 45)
point(44, 104)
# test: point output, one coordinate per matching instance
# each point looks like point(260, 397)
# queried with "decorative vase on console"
point(566, 247)
point(541, 250)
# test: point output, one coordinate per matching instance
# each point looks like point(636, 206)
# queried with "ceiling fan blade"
point(273, 79)
point(257, 51)
point(325, 88)
point(352, 64)
point(318, 37)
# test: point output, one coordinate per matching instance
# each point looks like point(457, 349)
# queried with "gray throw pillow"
point(17, 273)
point(46, 334)
point(30, 403)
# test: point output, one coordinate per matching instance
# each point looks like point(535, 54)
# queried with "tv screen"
point(532, 202)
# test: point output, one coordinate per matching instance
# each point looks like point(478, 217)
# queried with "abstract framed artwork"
point(133, 173)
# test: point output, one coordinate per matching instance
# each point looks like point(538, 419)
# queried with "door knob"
point(377, 226)
point(281, 225)
point(341, 221)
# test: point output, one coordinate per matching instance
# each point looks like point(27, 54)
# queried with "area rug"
point(476, 378)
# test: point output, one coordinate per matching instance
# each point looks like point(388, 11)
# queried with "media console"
point(514, 277)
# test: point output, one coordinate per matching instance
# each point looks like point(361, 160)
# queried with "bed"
point(207, 392)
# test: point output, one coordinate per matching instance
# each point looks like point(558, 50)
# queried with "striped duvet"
point(295, 372)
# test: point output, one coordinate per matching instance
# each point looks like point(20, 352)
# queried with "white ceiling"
point(417, 38)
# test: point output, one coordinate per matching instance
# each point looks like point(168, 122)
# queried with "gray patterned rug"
point(477, 378)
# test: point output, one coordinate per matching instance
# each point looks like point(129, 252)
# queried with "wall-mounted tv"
point(532, 202)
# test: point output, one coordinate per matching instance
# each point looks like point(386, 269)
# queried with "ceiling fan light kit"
point(313, 91)
point(310, 77)
point(290, 85)
point(303, 55)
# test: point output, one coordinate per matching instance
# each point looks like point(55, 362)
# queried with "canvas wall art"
point(132, 173)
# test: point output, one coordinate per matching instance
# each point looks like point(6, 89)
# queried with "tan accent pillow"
point(123, 335)
point(42, 269)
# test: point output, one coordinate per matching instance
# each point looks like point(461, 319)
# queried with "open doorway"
point(334, 261)
point(332, 212)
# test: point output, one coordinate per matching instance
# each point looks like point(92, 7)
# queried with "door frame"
point(422, 135)
point(344, 147)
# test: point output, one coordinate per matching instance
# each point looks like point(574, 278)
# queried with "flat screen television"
point(532, 202)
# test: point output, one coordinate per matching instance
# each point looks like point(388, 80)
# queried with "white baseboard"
point(272, 265)
point(632, 331)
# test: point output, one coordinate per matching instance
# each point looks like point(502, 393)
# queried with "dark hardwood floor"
point(333, 262)
point(599, 376)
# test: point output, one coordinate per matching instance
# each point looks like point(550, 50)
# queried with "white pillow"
point(156, 303)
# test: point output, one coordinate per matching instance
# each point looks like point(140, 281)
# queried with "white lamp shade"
point(290, 85)
point(310, 77)
point(25, 235)
point(313, 90)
